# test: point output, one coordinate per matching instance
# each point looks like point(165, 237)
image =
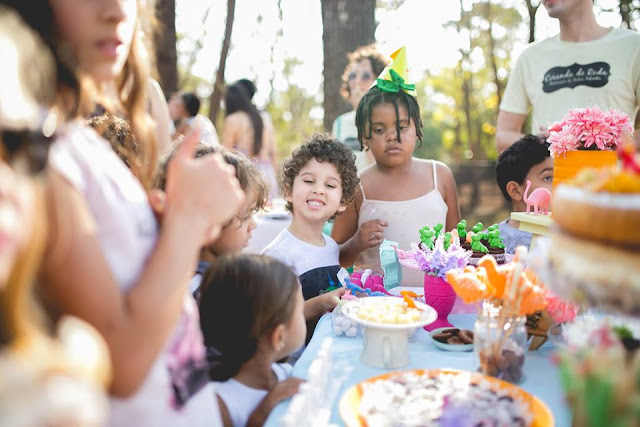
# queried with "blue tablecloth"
point(541, 376)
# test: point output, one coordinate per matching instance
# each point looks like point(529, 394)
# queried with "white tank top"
point(405, 219)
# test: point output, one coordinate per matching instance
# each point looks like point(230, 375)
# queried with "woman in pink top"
point(106, 262)
point(398, 193)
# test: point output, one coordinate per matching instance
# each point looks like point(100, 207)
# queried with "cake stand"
point(386, 345)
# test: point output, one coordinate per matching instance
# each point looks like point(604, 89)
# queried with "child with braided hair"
point(398, 194)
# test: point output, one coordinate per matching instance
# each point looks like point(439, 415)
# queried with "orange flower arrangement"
point(512, 286)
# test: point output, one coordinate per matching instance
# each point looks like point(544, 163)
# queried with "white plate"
point(350, 309)
point(449, 347)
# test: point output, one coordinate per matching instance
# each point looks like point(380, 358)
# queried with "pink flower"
point(619, 123)
point(563, 141)
point(556, 127)
point(586, 127)
point(559, 309)
point(597, 132)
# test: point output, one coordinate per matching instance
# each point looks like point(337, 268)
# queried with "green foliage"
point(292, 112)
point(462, 101)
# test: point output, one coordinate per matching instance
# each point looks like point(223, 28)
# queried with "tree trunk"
point(279, 34)
point(218, 86)
point(492, 53)
point(532, 9)
point(626, 9)
point(165, 45)
point(346, 25)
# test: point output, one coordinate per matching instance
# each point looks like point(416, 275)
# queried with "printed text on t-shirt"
point(595, 74)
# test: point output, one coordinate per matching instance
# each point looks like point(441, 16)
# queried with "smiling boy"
point(319, 180)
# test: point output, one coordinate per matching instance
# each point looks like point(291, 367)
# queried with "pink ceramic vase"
point(440, 295)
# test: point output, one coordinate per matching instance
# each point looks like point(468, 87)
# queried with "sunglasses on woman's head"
point(364, 76)
point(26, 145)
point(30, 147)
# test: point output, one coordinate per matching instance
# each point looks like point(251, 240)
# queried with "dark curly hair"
point(323, 148)
point(243, 297)
point(516, 161)
point(375, 97)
point(377, 60)
point(118, 132)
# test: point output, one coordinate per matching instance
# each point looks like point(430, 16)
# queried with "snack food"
point(440, 397)
point(594, 255)
point(601, 205)
point(389, 311)
point(481, 242)
point(454, 336)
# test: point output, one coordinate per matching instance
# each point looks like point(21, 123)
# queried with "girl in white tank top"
point(398, 193)
point(405, 218)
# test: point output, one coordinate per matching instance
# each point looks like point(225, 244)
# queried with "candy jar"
point(342, 325)
point(500, 343)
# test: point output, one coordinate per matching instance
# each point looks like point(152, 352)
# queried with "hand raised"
point(370, 234)
point(203, 191)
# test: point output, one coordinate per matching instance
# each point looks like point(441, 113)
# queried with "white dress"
point(176, 391)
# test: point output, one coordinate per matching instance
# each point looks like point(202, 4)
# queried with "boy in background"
point(527, 159)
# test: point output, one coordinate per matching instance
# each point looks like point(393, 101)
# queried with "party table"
point(541, 376)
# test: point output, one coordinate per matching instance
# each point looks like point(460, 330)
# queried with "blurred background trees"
point(459, 101)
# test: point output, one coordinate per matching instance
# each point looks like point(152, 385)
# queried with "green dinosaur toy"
point(438, 228)
point(426, 237)
point(495, 241)
point(447, 241)
point(476, 244)
point(462, 230)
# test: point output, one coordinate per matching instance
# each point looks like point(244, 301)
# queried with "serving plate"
point(351, 308)
point(350, 402)
point(449, 347)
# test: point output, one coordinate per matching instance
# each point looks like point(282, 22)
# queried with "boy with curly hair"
point(319, 180)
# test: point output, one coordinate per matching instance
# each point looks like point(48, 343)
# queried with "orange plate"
point(350, 401)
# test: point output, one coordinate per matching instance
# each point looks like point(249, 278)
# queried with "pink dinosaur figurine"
point(373, 282)
point(539, 199)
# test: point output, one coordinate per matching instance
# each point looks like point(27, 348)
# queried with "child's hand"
point(330, 300)
point(370, 234)
point(281, 391)
point(202, 191)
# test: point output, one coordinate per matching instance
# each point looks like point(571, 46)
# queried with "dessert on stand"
point(388, 322)
point(594, 259)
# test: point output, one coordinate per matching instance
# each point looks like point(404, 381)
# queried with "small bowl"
point(449, 347)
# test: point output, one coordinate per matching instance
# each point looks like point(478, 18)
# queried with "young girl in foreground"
point(398, 194)
point(252, 312)
point(106, 262)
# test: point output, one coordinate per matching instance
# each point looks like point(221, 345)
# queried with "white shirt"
point(242, 400)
